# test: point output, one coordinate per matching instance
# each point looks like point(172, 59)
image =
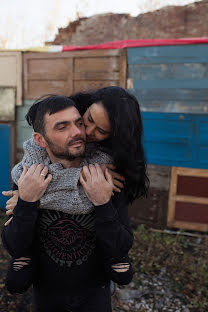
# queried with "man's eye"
point(80, 123)
point(62, 128)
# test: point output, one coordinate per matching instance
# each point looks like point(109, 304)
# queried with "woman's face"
point(97, 123)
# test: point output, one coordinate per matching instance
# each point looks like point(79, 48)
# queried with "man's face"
point(65, 134)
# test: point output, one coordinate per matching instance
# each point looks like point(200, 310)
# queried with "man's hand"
point(11, 203)
point(97, 186)
point(33, 182)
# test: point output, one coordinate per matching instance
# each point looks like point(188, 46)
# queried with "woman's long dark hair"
point(125, 141)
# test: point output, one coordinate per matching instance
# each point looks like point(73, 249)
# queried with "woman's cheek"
point(100, 137)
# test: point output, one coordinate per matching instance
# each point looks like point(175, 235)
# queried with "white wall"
point(26, 23)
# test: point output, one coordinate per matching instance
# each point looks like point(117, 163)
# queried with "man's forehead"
point(68, 114)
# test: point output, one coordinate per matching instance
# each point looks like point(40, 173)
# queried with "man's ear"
point(39, 139)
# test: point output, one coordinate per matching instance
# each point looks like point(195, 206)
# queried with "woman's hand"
point(118, 180)
point(97, 186)
point(11, 203)
point(33, 182)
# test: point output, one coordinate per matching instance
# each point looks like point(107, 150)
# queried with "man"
point(68, 249)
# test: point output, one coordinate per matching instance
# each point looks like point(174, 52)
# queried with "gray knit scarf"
point(64, 193)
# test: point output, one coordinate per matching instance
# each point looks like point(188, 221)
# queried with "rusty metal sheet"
point(7, 104)
point(11, 72)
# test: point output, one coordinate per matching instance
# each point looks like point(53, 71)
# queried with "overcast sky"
point(26, 23)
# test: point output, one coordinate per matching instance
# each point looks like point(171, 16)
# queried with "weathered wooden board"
point(7, 104)
point(169, 71)
point(191, 212)
point(69, 72)
point(194, 186)
point(11, 72)
point(47, 73)
point(170, 79)
point(176, 139)
point(188, 199)
point(168, 83)
point(172, 100)
point(173, 94)
point(169, 54)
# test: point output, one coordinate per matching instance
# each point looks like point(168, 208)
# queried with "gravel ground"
point(155, 293)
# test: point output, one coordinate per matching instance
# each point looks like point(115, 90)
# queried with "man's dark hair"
point(46, 105)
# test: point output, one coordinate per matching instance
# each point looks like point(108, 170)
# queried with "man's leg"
point(47, 302)
point(99, 300)
point(92, 300)
point(19, 275)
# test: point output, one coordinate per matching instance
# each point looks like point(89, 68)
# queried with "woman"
point(112, 117)
point(113, 120)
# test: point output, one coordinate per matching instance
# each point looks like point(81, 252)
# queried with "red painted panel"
point(192, 186)
point(121, 44)
point(190, 212)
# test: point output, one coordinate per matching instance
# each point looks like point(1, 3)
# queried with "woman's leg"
point(121, 272)
point(19, 275)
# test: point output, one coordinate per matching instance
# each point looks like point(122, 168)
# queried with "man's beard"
point(64, 152)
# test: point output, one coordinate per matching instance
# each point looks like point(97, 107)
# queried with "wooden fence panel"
point(11, 72)
point(188, 199)
point(68, 72)
point(170, 78)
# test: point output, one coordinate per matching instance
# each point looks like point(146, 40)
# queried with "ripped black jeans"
point(20, 273)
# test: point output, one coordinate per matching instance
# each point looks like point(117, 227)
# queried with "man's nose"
point(75, 131)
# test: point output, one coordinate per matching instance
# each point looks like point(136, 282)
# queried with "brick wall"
point(168, 22)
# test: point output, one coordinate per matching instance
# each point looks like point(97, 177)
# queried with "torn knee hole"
point(120, 267)
point(19, 263)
